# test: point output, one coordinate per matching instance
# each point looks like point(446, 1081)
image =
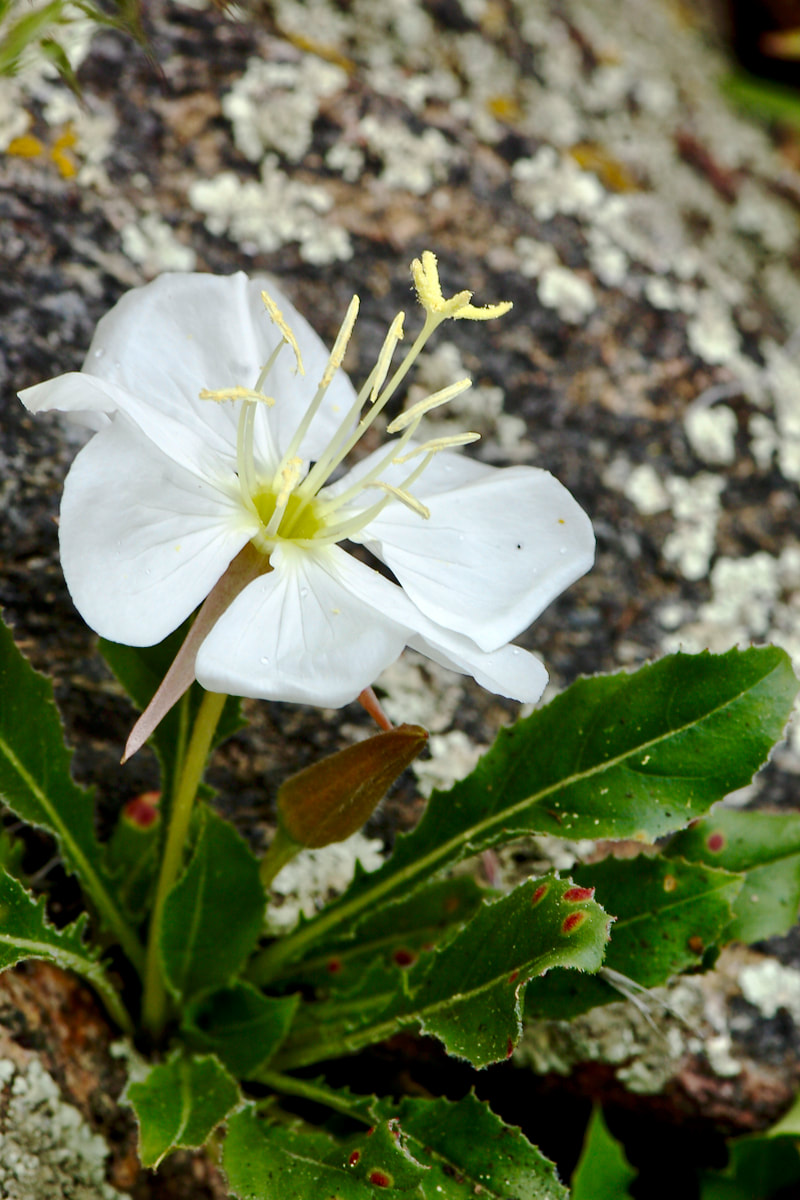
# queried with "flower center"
point(299, 519)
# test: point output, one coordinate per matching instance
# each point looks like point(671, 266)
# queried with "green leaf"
point(394, 935)
point(471, 1151)
point(36, 784)
point(213, 916)
point(667, 914)
point(762, 98)
point(241, 1025)
point(263, 1162)
point(24, 32)
point(25, 932)
point(381, 1158)
point(602, 1172)
point(180, 1103)
point(617, 756)
point(766, 846)
point(467, 1149)
point(759, 1168)
point(140, 670)
point(469, 991)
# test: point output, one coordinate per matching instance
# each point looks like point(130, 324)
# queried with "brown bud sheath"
point(333, 798)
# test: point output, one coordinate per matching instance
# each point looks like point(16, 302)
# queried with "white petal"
point(81, 395)
point(509, 671)
point(317, 629)
point(142, 540)
point(494, 553)
point(185, 332)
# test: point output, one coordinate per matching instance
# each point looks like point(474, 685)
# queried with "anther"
point(221, 395)
point(277, 318)
point(435, 400)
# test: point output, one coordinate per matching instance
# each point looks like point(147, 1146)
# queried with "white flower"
point(212, 450)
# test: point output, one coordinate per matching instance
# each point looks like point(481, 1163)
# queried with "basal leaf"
point(25, 932)
point(35, 782)
point(140, 670)
point(766, 847)
point(617, 756)
point(241, 1025)
point(602, 1172)
point(471, 1151)
point(394, 935)
point(263, 1162)
point(468, 992)
point(466, 1149)
point(667, 914)
point(180, 1103)
point(213, 916)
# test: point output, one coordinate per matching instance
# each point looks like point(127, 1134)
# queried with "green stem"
point(155, 1006)
point(309, 1089)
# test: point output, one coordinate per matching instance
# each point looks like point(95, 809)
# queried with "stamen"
point(403, 496)
point(221, 395)
point(437, 444)
point(334, 362)
point(277, 318)
point(381, 370)
point(435, 400)
point(340, 345)
point(245, 464)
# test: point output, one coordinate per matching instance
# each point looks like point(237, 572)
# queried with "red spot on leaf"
point(695, 944)
point(513, 977)
point(380, 1178)
point(334, 966)
point(451, 904)
point(404, 957)
point(540, 893)
point(575, 894)
point(142, 810)
point(354, 1157)
point(573, 921)
point(716, 842)
point(509, 1047)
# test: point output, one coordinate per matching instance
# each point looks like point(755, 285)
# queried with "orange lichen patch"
point(328, 53)
point(504, 108)
point(612, 173)
point(67, 167)
point(26, 146)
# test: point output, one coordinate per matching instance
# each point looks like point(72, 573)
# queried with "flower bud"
point(331, 799)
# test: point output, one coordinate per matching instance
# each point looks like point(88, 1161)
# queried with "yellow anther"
point(277, 318)
point(417, 411)
point(221, 395)
point(340, 345)
point(437, 444)
point(394, 335)
point(429, 292)
point(403, 496)
point(487, 312)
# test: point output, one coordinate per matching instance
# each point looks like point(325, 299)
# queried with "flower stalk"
point(155, 1006)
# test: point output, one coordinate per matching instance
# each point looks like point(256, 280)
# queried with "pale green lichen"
point(47, 1150)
